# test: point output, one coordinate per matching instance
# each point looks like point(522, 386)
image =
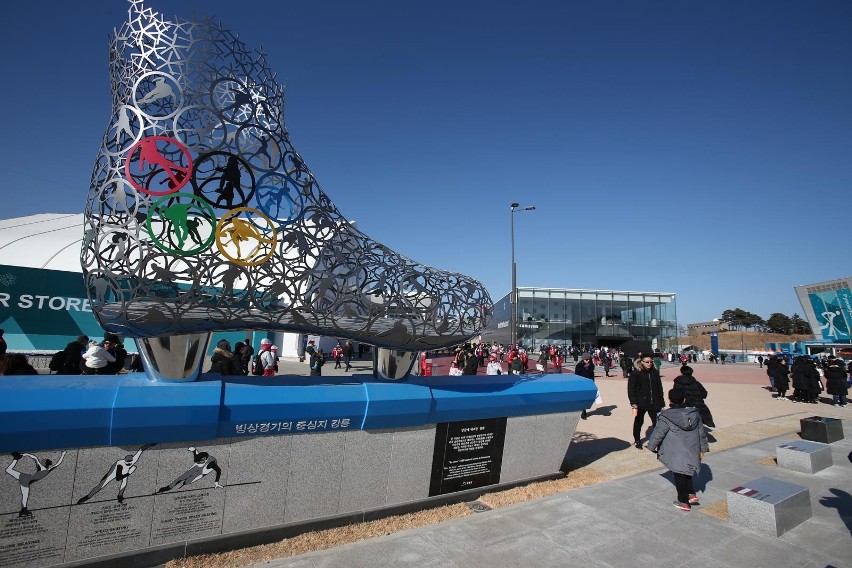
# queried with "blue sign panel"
point(833, 311)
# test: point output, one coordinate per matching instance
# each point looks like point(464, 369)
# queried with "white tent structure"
point(48, 240)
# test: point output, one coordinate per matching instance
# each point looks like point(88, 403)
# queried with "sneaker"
point(682, 506)
point(693, 500)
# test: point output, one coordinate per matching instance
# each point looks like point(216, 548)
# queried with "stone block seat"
point(769, 506)
point(822, 429)
point(804, 456)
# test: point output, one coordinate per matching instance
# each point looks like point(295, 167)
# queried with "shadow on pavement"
point(602, 410)
point(585, 449)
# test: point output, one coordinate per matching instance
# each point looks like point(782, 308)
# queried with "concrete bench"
point(769, 506)
point(821, 429)
point(804, 456)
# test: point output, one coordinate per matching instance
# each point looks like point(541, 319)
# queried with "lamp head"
point(515, 205)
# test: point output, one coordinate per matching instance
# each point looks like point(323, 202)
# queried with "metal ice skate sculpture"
point(202, 216)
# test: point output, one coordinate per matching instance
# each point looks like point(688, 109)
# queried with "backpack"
point(57, 361)
point(256, 366)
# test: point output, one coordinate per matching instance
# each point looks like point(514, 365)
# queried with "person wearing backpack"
point(265, 358)
point(317, 361)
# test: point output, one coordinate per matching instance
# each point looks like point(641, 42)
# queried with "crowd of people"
point(79, 357)
point(806, 376)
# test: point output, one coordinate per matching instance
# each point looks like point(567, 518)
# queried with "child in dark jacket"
point(680, 442)
point(695, 394)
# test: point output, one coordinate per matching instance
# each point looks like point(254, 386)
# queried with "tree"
point(800, 326)
point(779, 323)
point(741, 319)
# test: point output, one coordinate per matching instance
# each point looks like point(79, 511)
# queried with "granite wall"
point(88, 503)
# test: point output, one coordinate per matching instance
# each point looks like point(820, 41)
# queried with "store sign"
point(44, 309)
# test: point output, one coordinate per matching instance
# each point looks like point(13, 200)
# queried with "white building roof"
point(47, 240)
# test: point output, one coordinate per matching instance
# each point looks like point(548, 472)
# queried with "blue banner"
point(833, 311)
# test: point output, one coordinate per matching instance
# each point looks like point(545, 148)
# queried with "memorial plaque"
point(34, 540)
point(467, 455)
point(109, 527)
point(186, 515)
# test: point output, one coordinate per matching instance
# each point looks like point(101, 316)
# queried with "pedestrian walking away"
point(695, 393)
point(680, 442)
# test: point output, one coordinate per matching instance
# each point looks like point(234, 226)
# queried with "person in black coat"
point(73, 356)
point(585, 368)
point(245, 356)
point(223, 361)
point(695, 394)
point(471, 363)
point(835, 381)
point(780, 377)
point(645, 393)
point(16, 364)
point(316, 362)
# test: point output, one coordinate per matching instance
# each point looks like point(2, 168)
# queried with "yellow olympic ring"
point(233, 230)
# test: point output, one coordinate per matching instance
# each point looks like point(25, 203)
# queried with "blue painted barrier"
point(53, 411)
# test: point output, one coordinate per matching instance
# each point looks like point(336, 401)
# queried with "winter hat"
point(224, 345)
point(274, 348)
point(265, 341)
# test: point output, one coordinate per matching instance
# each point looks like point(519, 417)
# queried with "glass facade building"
point(560, 316)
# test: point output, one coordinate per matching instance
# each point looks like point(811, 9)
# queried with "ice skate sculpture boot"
point(202, 216)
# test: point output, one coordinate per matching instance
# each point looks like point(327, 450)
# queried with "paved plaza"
point(628, 520)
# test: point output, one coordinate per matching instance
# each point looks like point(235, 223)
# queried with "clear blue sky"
point(701, 148)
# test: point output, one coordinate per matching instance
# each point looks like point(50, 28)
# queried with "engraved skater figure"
point(27, 479)
point(119, 472)
point(203, 464)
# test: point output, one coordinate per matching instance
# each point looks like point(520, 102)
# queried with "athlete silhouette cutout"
point(832, 330)
point(161, 90)
point(241, 98)
point(230, 181)
point(177, 213)
point(27, 479)
point(242, 231)
point(203, 464)
point(149, 153)
point(119, 472)
point(123, 126)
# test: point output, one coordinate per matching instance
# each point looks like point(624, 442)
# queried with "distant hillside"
point(753, 340)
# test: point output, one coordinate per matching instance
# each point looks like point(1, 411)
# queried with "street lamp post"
point(513, 297)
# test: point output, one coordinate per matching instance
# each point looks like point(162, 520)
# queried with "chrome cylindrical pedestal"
point(175, 358)
point(392, 364)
